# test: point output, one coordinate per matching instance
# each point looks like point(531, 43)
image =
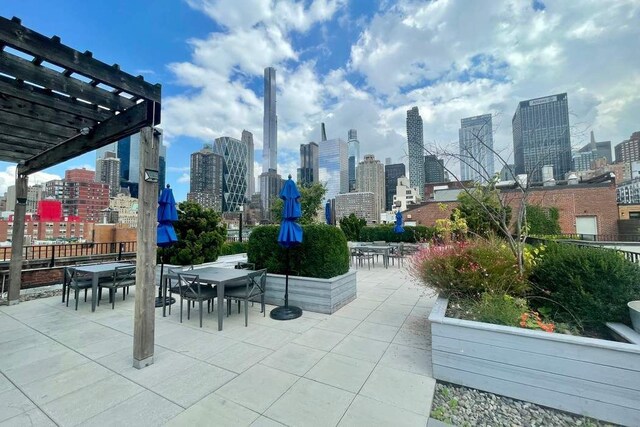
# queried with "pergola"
point(57, 103)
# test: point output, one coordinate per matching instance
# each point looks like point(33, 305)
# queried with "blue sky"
point(355, 64)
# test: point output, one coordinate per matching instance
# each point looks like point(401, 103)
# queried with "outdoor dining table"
point(210, 275)
point(97, 272)
point(382, 249)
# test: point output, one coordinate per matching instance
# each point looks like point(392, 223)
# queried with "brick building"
point(80, 195)
point(583, 208)
point(48, 230)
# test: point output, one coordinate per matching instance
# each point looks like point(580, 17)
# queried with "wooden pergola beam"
point(111, 130)
point(34, 111)
point(52, 129)
point(16, 143)
point(35, 136)
point(16, 156)
point(13, 65)
point(13, 34)
point(39, 96)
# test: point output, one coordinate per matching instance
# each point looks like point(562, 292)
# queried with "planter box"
point(586, 376)
point(318, 295)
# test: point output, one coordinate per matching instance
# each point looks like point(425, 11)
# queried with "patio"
point(367, 364)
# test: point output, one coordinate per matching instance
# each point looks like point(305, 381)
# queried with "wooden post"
point(144, 313)
point(17, 239)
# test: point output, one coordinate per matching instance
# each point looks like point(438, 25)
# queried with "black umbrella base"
point(285, 313)
point(167, 301)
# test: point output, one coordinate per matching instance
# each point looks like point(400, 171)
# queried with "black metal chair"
point(191, 290)
point(77, 282)
point(399, 253)
point(123, 278)
point(174, 288)
point(359, 256)
point(254, 287)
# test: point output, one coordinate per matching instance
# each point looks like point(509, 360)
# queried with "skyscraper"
point(370, 178)
point(541, 137)
point(128, 151)
point(391, 174)
point(354, 157)
point(108, 172)
point(234, 172)
point(270, 181)
point(415, 141)
point(601, 148)
point(309, 164)
point(270, 123)
point(476, 148)
point(433, 169)
point(629, 149)
point(247, 138)
point(206, 179)
point(334, 166)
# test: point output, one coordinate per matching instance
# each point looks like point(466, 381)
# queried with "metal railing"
point(66, 250)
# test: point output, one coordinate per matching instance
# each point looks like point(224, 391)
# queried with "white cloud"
point(8, 177)
point(184, 178)
point(451, 59)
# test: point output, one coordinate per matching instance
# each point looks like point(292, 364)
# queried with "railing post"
point(53, 256)
point(120, 251)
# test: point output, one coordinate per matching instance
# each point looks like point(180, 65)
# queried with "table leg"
point(220, 305)
point(94, 291)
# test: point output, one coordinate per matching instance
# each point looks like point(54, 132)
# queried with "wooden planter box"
point(586, 376)
point(318, 295)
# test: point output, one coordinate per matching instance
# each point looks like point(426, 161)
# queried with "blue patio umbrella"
point(398, 227)
point(290, 235)
point(327, 212)
point(167, 214)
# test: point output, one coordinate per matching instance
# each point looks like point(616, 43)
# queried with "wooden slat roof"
point(57, 103)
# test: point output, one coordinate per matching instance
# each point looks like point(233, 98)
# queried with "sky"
point(355, 64)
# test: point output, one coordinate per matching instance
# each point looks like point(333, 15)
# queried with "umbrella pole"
point(163, 301)
point(285, 312)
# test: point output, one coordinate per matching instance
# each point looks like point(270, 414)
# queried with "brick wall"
point(572, 201)
point(428, 213)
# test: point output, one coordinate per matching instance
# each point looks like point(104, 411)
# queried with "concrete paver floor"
point(368, 364)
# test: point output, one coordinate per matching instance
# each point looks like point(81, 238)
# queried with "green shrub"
point(499, 309)
point(590, 286)
point(412, 234)
point(322, 254)
point(468, 269)
point(351, 226)
point(232, 248)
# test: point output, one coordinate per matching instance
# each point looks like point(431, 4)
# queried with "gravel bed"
point(35, 293)
point(462, 406)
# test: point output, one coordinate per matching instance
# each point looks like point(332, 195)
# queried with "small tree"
point(351, 226)
point(200, 236)
point(310, 203)
point(480, 207)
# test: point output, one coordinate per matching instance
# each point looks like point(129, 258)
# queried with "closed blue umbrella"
point(327, 212)
point(398, 227)
point(167, 214)
point(290, 235)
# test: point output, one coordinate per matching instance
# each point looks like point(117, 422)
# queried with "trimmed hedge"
point(412, 234)
point(232, 248)
point(323, 253)
point(589, 285)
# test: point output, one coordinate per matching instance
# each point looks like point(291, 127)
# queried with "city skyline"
point(335, 65)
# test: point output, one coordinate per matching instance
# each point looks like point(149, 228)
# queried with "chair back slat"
point(256, 279)
point(189, 283)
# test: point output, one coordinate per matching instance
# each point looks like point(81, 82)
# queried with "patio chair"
point(77, 282)
point(191, 290)
point(123, 278)
point(245, 266)
point(174, 288)
point(399, 253)
point(254, 286)
point(359, 256)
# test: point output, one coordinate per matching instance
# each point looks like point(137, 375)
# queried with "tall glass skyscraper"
point(270, 122)
point(433, 169)
point(128, 151)
point(234, 172)
point(391, 175)
point(541, 137)
point(415, 141)
point(476, 148)
point(309, 164)
point(354, 157)
point(334, 166)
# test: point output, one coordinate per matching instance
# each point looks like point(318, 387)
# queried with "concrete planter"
point(586, 376)
point(318, 295)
